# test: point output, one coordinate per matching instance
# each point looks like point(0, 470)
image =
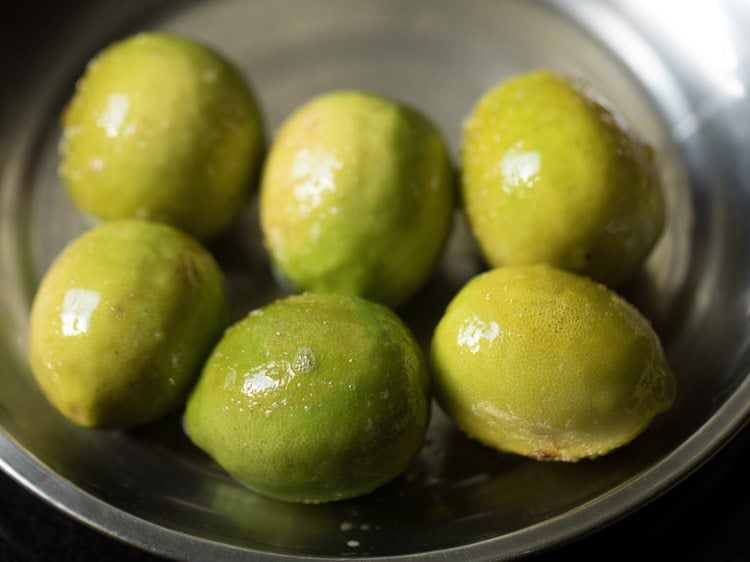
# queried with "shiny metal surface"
point(682, 82)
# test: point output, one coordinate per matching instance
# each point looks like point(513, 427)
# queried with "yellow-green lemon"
point(313, 398)
point(356, 197)
point(551, 174)
point(161, 128)
point(122, 321)
point(548, 364)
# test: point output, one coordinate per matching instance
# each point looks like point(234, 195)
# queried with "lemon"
point(161, 128)
point(313, 398)
point(548, 364)
point(356, 197)
point(122, 321)
point(552, 175)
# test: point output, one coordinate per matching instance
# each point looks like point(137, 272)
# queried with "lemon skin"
point(122, 322)
point(356, 197)
point(551, 174)
point(161, 128)
point(313, 398)
point(544, 363)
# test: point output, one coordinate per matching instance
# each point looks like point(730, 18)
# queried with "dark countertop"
point(704, 518)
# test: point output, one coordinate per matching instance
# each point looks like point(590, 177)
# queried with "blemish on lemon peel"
point(305, 361)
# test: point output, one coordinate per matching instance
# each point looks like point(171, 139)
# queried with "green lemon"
point(122, 321)
point(545, 363)
point(552, 175)
point(314, 398)
point(161, 128)
point(356, 197)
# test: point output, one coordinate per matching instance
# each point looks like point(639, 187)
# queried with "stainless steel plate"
point(681, 81)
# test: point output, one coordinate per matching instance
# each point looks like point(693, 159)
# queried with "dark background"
point(706, 517)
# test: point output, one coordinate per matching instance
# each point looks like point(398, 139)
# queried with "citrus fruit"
point(356, 197)
point(548, 364)
point(122, 322)
point(552, 174)
point(313, 398)
point(161, 128)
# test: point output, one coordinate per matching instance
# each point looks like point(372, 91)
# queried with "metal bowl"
point(681, 81)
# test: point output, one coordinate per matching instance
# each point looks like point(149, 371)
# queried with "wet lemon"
point(122, 322)
point(356, 197)
point(545, 363)
point(551, 174)
point(161, 128)
point(313, 398)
